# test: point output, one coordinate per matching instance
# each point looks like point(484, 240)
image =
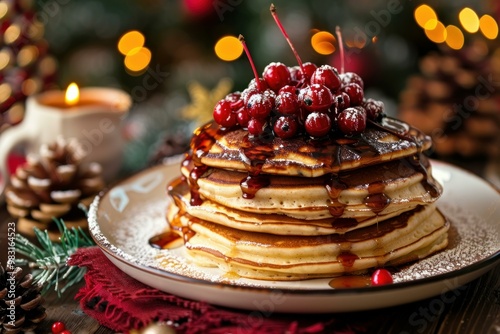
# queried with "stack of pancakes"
point(274, 209)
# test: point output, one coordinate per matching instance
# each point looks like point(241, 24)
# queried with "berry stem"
point(341, 48)
point(278, 22)
point(257, 81)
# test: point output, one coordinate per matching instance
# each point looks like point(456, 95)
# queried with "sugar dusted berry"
point(256, 126)
point(341, 101)
point(351, 77)
point(318, 124)
point(285, 127)
point(259, 106)
point(374, 109)
point(224, 115)
point(308, 70)
point(326, 75)
point(381, 277)
point(352, 120)
point(289, 89)
point(276, 75)
point(355, 93)
point(316, 97)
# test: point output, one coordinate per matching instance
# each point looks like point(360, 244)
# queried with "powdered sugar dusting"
point(471, 240)
point(126, 235)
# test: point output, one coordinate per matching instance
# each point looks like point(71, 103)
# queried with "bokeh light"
point(488, 26)
point(469, 20)
point(454, 37)
point(323, 42)
point(228, 48)
point(438, 34)
point(426, 17)
point(137, 59)
point(129, 41)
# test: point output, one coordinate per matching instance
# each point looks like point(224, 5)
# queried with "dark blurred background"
point(425, 59)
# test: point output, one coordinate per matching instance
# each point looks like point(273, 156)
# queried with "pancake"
point(233, 149)
point(409, 236)
point(382, 189)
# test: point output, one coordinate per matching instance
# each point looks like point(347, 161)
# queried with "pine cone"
point(20, 302)
point(455, 99)
point(170, 146)
point(52, 186)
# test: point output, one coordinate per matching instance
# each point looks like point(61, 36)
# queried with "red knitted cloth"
point(122, 303)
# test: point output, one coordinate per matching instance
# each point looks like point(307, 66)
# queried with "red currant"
point(289, 89)
point(242, 117)
point(58, 327)
point(287, 103)
point(374, 109)
point(276, 75)
point(286, 127)
point(295, 75)
point(351, 77)
point(318, 124)
point(355, 93)
point(65, 332)
point(326, 75)
point(259, 106)
point(316, 97)
point(381, 277)
point(235, 100)
point(341, 101)
point(308, 69)
point(352, 120)
point(253, 84)
point(256, 126)
point(223, 114)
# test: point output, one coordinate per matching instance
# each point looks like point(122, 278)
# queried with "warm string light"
point(228, 48)
point(137, 56)
point(452, 35)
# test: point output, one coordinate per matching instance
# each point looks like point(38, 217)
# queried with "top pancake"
point(234, 149)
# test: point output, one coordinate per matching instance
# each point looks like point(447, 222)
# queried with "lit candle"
point(92, 115)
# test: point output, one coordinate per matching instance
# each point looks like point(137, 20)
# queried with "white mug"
point(95, 120)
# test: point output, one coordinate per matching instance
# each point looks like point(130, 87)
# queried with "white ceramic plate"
point(123, 219)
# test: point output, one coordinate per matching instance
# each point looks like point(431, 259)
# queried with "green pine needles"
point(48, 261)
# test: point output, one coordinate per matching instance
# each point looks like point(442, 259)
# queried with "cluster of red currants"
point(317, 100)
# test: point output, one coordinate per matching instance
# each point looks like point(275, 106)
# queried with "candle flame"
point(72, 94)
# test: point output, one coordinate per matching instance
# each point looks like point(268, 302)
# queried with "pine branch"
point(49, 260)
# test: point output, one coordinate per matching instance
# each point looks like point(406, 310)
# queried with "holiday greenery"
point(49, 259)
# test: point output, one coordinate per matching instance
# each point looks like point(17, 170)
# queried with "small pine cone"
point(169, 146)
point(53, 185)
point(21, 307)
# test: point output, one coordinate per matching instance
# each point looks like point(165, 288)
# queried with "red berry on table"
point(276, 75)
point(58, 327)
point(341, 101)
point(352, 120)
point(224, 115)
point(286, 127)
point(256, 126)
point(316, 97)
point(326, 75)
point(374, 109)
point(381, 277)
point(355, 93)
point(259, 106)
point(351, 77)
point(318, 124)
point(287, 103)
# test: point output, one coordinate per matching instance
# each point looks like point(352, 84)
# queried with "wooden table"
point(476, 308)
